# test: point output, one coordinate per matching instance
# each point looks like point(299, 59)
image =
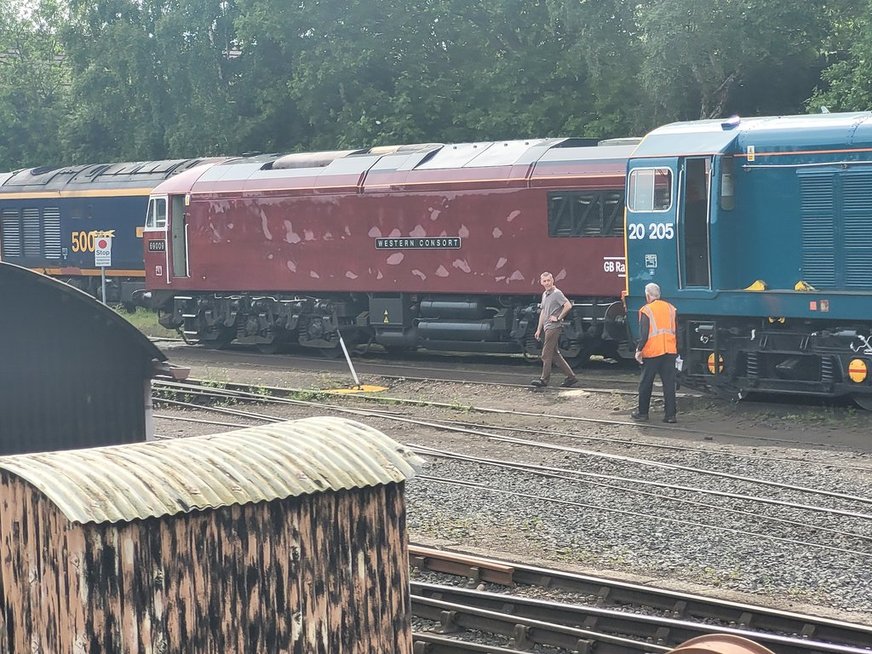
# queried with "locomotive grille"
point(51, 233)
point(857, 228)
point(818, 257)
point(32, 233)
point(752, 368)
point(827, 370)
point(10, 233)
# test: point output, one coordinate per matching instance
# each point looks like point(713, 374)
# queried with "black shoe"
point(569, 382)
point(670, 419)
point(538, 382)
point(639, 416)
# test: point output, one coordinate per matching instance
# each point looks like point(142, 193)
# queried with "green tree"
point(33, 86)
point(710, 58)
point(386, 71)
point(199, 60)
point(118, 89)
point(144, 79)
point(152, 78)
point(846, 83)
point(604, 45)
point(269, 36)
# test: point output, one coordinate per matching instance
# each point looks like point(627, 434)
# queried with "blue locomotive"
point(51, 218)
point(760, 232)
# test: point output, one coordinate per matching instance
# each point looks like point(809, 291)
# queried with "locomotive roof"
point(94, 176)
point(355, 165)
point(778, 133)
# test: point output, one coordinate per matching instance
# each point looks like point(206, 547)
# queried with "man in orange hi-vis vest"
point(656, 351)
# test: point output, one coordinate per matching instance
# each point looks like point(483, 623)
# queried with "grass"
point(146, 322)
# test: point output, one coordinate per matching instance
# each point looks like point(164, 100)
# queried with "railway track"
point(617, 616)
point(546, 476)
point(599, 377)
point(211, 391)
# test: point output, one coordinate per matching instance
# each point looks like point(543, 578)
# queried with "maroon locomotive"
point(434, 246)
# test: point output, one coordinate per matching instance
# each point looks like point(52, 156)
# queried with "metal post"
point(348, 359)
point(103, 283)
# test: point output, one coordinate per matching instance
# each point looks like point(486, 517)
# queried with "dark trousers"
point(551, 353)
point(664, 366)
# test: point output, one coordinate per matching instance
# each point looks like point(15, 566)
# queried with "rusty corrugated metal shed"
point(147, 480)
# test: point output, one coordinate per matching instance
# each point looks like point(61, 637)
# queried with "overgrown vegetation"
point(146, 322)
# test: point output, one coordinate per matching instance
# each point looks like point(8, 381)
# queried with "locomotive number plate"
point(157, 246)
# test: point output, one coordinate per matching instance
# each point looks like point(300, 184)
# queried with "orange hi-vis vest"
point(661, 329)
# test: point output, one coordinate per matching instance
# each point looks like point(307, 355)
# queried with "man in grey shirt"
point(554, 308)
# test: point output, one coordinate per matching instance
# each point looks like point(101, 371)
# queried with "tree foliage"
point(846, 83)
point(101, 80)
point(33, 85)
point(708, 58)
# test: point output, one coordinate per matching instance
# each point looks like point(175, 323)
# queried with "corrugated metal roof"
point(147, 480)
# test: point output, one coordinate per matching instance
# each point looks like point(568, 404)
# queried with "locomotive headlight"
point(858, 370)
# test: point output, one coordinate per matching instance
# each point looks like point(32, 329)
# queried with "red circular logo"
point(102, 244)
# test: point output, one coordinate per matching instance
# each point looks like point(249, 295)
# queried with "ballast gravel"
point(809, 549)
point(782, 553)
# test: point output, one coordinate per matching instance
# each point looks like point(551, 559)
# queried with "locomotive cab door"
point(693, 223)
point(652, 187)
point(179, 234)
point(154, 235)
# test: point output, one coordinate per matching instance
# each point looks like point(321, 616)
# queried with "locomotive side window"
point(585, 213)
point(650, 189)
point(157, 213)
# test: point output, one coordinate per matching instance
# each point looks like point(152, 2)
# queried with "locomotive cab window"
point(649, 189)
point(585, 213)
point(157, 214)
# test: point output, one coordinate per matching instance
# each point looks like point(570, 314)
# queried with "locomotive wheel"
point(863, 401)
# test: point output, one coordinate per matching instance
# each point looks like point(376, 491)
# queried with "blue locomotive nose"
point(763, 249)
